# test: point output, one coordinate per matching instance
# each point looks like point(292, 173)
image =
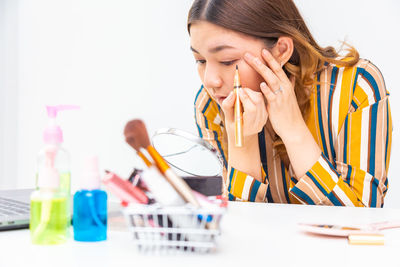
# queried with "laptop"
point(14, 209)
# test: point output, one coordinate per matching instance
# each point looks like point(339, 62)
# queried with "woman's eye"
point(228, 63)
point(200, 61)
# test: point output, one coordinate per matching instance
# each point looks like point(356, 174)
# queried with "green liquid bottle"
point(65, 187)
point(50, 216)
point(49, 222)
point(51, 202)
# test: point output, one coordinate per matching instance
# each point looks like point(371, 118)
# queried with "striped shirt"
point(351, 122)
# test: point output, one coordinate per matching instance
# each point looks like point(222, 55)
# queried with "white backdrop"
point(125, 59)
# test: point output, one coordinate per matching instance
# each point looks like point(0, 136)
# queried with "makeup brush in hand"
point(137, 137)
point(237, 86)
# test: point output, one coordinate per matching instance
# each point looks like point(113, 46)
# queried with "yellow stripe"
point(323, 177)
point(359, 179)
point(354, 144)
point(345, 94)
point(390, 129)
point(240, 179)
point(312, 120)
point(349, 193)
point(360, 97)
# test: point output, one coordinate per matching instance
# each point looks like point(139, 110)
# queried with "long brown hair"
point(268, 20)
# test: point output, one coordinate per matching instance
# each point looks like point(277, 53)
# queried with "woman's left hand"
point(282, 107)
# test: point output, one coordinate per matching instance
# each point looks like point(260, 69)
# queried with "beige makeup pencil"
point(238, 110)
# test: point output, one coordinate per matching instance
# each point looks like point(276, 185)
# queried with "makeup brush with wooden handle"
point(137, 137)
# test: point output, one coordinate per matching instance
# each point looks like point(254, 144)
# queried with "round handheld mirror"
point(187, 153)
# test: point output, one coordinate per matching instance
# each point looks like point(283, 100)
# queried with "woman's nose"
point(212, 79)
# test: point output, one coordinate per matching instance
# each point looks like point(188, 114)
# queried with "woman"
point(317, 127)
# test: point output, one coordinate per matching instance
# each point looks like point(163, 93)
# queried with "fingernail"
point(265, 52)
point(263, 85)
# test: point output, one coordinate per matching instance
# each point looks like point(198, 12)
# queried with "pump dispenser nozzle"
point(90, 175)
point(53, 133)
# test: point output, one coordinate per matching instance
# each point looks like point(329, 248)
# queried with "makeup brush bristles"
point(135, 137)
point(136, 134)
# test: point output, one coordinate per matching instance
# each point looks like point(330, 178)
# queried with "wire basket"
point(174, 228)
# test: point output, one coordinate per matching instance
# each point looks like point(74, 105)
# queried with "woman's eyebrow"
point(194, 50)
point(214, 49)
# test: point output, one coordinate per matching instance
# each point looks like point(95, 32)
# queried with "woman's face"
point(217, 52)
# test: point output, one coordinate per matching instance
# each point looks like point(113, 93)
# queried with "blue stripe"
point(386, 185)
point(373, 83)
point(195, 117)
point(269, 196)
point(374, 190)
point(293, 180)
point(231, 197)
point(345, 140)
point(332, 88)
point(221, 151)
point(374, 114)
point(321, 127)
point(317, 184)
point(330, 165)
point(198, 93)
point(204, 110)
point(199, 130)
point(284, 182)
point(263, 152)
point(206, 106)
point(353, 103)
point(302, 196)
point(348, 176)
point(254, 190)
point(197, 124)
point(334, 200)
point(355, 80)
point(206, 122)
point(230, 179)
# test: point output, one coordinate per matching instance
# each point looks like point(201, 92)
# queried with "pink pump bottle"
point(53, 139)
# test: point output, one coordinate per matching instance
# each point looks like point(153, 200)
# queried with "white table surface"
point(252, 233)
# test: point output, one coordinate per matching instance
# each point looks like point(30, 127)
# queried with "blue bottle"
point(90, 206)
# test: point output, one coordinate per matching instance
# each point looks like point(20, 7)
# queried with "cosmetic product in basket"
point(137, 137)
point(161, 190)
point(185, 233)
point(124, 190)
point(167, 196)
point(135, 179)
point(90, 206)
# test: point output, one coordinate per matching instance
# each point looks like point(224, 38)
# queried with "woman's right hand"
point(254, 112)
